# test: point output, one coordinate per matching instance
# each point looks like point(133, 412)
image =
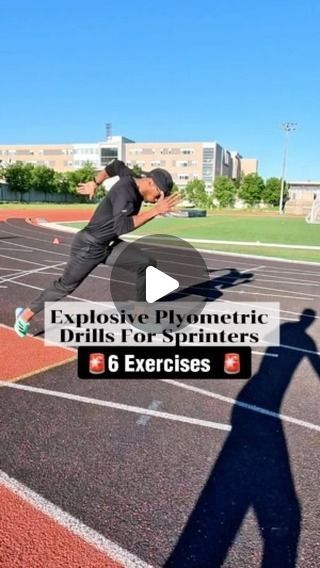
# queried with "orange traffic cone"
point(56, 241)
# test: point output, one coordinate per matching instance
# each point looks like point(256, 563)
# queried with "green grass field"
point(251, 228)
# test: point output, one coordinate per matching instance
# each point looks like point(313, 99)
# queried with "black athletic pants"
point(86, 253)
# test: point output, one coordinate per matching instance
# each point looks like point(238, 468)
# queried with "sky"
point(173, 70)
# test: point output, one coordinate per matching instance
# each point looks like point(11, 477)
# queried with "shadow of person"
point(253, 468)
point(210, 289)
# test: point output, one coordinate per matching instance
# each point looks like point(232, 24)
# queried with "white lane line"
point(278, 270)
point(15, 250)
point(24, 261)
point(12, 269)
point(271, 310)
point(247, 285)
point(255, 268)
point(245, 405)
point(144, 419)
point(284, 346)
point(269, 279)
point(74, 525)
point(40, 250)
point(258, 257)
point(24, 236)
point(265, 354)
point(119, 406)
point(231, 291)
point(27, 273)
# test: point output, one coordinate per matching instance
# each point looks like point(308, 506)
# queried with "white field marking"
point(290, 282)
point(26, 236)
point(232, 291)
point(300, 349)
point(119, 406)
point(3, 286)
point(21, 273)
point(62, 227)
point(27, 273)
point(143, 419)
point(15, 250)
point(259, 257)
point(247, 285)
point(14, 269)
point(278, 271)
point(271, 309)
point(213, 252)
point(48, 266)
point(41, 250)
point(284, 346)
point(279, 279)
point(246, 243)
point(23, 260)
point(235, 402)
point(24, 284)
point(253, 268)
point(227, 276)
point(72, 524)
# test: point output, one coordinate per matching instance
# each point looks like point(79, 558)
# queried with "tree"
point(196, 193)
point(224, 191)
point(44, 179)
point(63, 183)
point(86, 173)
point(251, 189)
point(19, 177)
point(271, 193)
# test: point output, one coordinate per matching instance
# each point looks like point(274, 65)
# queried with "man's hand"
point(87, 188)
point(166, 204)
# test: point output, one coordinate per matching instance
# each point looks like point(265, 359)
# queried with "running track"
point(86, 482)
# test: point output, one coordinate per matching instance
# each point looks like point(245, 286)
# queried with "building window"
point(108, 155)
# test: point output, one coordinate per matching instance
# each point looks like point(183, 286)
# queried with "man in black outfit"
point(99, 242)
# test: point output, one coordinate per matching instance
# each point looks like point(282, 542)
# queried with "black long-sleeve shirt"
point(113, 216)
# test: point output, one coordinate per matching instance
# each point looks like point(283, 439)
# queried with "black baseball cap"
point(162, 178)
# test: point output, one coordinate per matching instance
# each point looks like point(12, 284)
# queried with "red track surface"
point(71, 214)
point(24, 357)
point(32, 539)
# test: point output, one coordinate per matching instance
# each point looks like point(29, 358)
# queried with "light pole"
point(286, 127)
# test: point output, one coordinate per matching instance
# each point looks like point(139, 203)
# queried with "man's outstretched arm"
point(116, 168)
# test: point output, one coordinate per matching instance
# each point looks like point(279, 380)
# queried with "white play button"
point(158, 284)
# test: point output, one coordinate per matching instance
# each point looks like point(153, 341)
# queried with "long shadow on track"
point(252, 470)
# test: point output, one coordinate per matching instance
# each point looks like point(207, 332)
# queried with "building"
point(302, 194)
point(185, 160)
